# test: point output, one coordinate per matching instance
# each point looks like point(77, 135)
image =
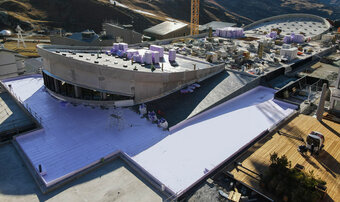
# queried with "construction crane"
point(195, 17)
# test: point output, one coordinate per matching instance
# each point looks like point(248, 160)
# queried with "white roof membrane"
point(75, 137)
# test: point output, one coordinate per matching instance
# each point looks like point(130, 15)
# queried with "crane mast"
point(195, 16)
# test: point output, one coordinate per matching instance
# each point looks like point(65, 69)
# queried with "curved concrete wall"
point(281, 17)
point(143, 86)
point(287, 16)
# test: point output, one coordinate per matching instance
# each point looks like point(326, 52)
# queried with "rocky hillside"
point(240, 11)
point(76, 15)
point(72, 15)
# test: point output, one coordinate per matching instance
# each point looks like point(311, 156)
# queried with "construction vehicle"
point(314, 143)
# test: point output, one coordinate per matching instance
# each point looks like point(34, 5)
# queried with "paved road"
point(31, 40)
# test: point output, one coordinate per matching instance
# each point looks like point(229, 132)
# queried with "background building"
point(167, 30)
point(113, 33)
point(122, 34)
point(215, 25)
point(335, 98)
point(11, 63)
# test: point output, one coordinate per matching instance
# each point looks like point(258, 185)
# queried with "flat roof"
point(182, 63)
point(216, 25)
point(203, 142)
point(63, 149)
point(18, 185)
point(165, 28)
point(325, 166)
point(310, 25)
point(178, 107)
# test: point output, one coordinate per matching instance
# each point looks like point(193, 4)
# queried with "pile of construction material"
point(294, 38)
point(272, 35)
point(230, 32)
point(154, 55)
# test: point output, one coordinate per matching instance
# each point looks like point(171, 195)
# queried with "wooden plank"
point(326, 166)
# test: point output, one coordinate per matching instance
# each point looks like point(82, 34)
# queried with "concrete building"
point(310, 26)
point(167, 29)
point(121, 34)
point(11, 63)
point(335, 97)
point(84, 75)
point(113, 33)
point(85, 38)
point(215, 25)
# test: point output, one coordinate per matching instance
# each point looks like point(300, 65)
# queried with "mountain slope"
point(77, 15)
point(73, 15)
point(240, 11)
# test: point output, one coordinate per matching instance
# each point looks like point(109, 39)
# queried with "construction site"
point(192, 118)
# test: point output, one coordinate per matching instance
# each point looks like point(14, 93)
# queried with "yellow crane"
point(195, 17)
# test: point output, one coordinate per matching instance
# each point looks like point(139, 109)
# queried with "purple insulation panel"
point(123, 46)
point(160, 49)
point(218, 31)
point(130, 53)
point(298, 38)
point(155, 57)
point(137, 58)
point(287, 39)
point(120, 53)
point(116, 46)
point(147, 57)
point(172, 55)
point(272, 35)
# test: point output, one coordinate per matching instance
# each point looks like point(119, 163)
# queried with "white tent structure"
point(5, 33)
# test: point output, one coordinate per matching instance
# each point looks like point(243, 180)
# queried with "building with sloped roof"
point(11, 63)
point(167, 30)
point(215, 25)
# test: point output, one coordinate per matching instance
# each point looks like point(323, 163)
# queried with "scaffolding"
point(20, 38)
point(195, 16)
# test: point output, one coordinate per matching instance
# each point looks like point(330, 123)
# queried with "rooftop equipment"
point(288, 53)
point(314, 143)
